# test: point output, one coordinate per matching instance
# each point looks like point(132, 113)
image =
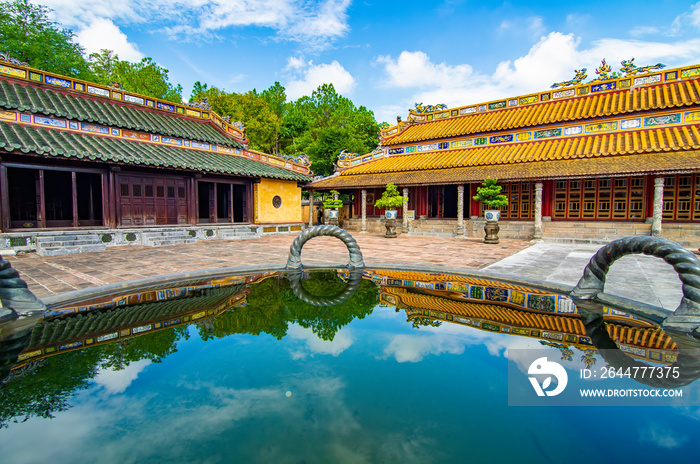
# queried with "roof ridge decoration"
point(420, 109)
point(634, 77)
point(22, 71)
point(579, 76)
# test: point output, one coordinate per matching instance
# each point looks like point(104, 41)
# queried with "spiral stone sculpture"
point(301, 293)
point(687, 362)
point(683, 261)
point(294, 259)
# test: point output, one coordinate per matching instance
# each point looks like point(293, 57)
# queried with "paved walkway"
point(640, 278)
point(52, 275)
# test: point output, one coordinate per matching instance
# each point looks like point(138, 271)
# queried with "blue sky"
point(386, 55)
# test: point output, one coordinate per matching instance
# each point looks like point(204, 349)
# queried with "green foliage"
point(332, 203)
point(324, 124)
point(27, 34)
point(197, 88)
point(490, 194)
point(144, 77)
point(391, 198)
point(252, 109)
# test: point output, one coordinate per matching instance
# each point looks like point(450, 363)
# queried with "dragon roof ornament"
point(420, 108)
point(605, 73)
point(5, 56)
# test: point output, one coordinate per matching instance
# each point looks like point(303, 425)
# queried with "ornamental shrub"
point(391, 198)
point(490, 194)
point(332, 203)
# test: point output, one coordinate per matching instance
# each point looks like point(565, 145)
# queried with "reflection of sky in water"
point(380, 392)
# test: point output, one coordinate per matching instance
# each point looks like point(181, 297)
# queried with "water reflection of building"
point(113, 323)
point(588, 160)
point(498, 307)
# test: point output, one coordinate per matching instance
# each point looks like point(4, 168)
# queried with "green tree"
point(197, 88)
point(144, 78)
point(252, 109)
point(331, 123)
point(27, 34)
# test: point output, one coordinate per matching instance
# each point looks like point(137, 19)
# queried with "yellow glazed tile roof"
point(593, 146)
point(630, 164)
point(663, 96)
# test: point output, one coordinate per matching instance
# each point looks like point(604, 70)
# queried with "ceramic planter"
point(391, 213)
point(332, 214)
point(492, 215)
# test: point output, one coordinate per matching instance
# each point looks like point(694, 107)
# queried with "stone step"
point(169, 241)
point(62, 250)
point(162, 238)
point(166, 233)
point(66, 238)
point(237, 234)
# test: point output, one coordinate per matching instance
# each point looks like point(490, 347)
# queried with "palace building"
point(589, 162)
point(97, 164)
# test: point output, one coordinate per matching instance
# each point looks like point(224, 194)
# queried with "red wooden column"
point(547, 197)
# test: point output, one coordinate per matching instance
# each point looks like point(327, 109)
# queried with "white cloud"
point(312, 23)
point(552, 59)
point(118, 381)
point(311, 344)
point(306, 77)
point(102, 34)
point(414, 69)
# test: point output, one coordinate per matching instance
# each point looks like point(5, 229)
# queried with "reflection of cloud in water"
point(116, 381)
point(315, 424)
point(662, 436)
point(453, 339)
point(310, 344)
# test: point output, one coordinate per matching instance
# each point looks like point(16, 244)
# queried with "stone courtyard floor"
point(637, 277)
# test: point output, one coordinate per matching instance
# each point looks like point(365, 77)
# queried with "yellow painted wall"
point(266, 190)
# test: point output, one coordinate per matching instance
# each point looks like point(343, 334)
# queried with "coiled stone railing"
point(353, 283)
point(683, 261)
point(683, 323)
point(687, 365)
point(294, 259)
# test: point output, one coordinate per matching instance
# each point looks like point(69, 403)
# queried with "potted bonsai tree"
point(332, 204)
point(391, 200)
point(490, 195)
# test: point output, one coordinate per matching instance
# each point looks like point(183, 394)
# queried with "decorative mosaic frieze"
point(59, 82)
point(133, 99)
point(564, 93)
point(529, 100)
point(97, 91)
point(631, 123)
point(647, 79)
point(650, 121)
point(547, 133)
point(602, 127)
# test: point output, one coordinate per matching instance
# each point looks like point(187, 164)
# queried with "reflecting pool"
point(407, 367)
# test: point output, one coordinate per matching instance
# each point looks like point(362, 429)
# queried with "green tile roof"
point(14, 96)
point(80, 325)
point(51, 143)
